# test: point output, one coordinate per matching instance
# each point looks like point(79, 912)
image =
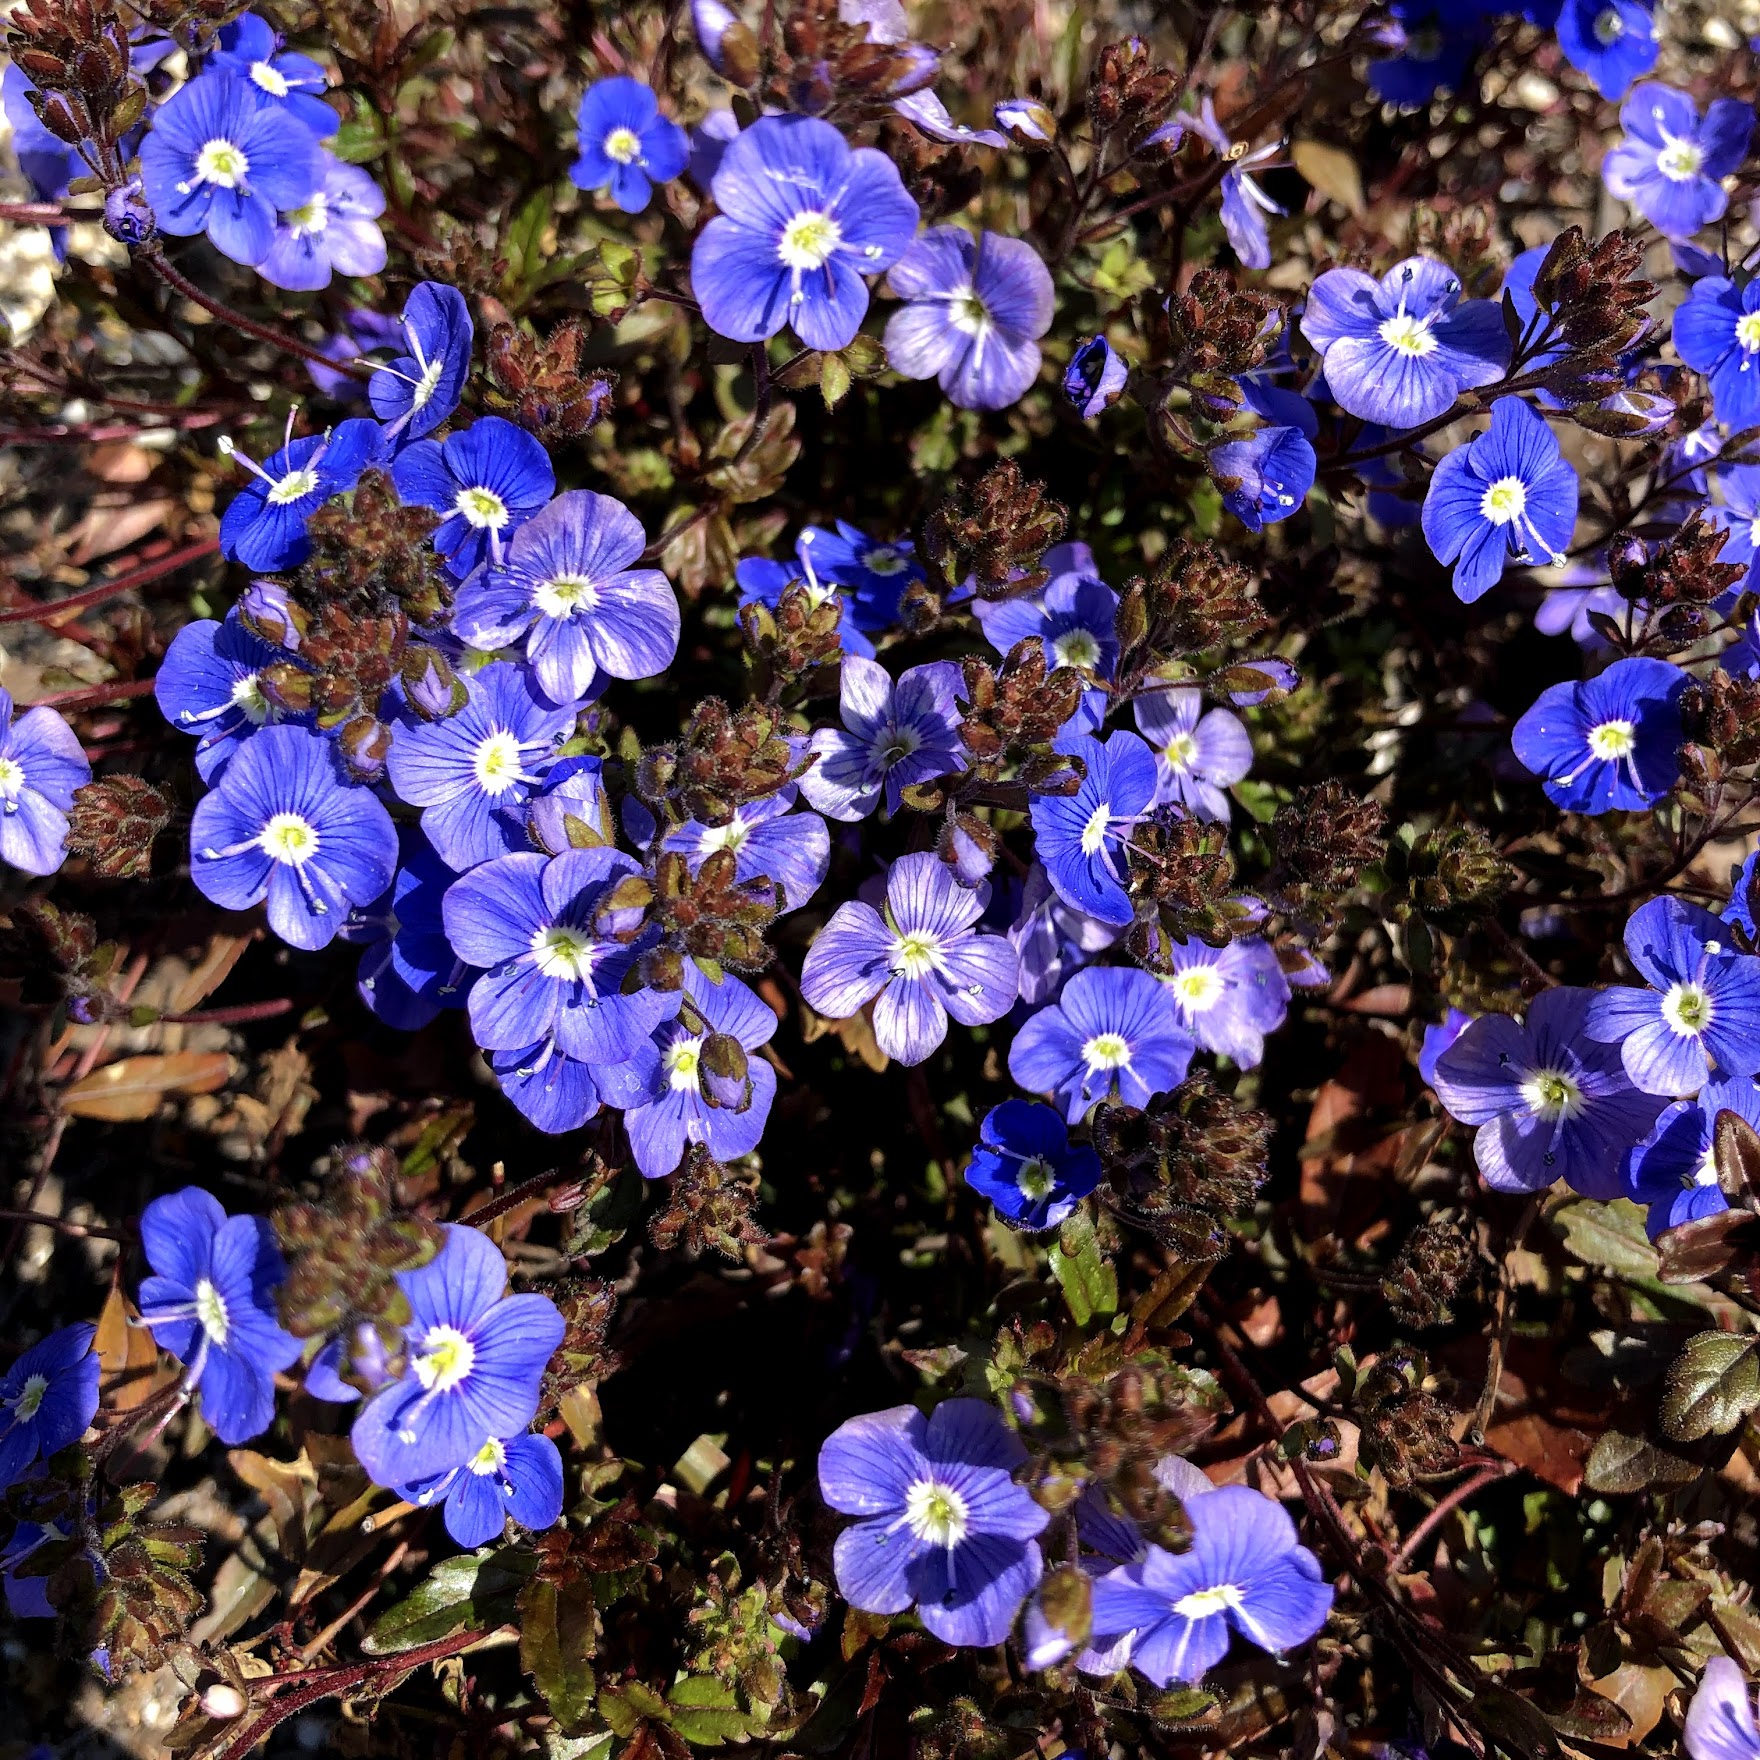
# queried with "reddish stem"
point(236, 1015)
point(39, 214)
point(90, 696)
point(122, 583)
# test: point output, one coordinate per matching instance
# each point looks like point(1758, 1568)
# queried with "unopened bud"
point(723, 1073)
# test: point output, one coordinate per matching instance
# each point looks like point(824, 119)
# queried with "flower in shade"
point(475, 1359)
point(1199, 754)
point(803, 218)
point(1720, 1721)
point(281, 824)
point(336, 230)
point(211, 1303)
point(1701, 1012)
point(769, 842)
point(1717, 333)
point(568, 592)
point(521, 1478)
point(1027, 1167)
point(221, 159)
point(1245, 1570)
point(1112, 1035)
point(559, 1093)
point(1050, 939)
point(208, 685)
point(1265, 477)
point(1400, 350)
point(357, 331)
point(408, 972)
point(1744, 898)
point(1507, 493)
point(893, 735)
point(1546, 1100)
point(555, 939)
point(1612, 41)
point(414, 393)
point(1095, 378)
point(1436, 44)
point(876, 570)
point(1672, 162)
point(976, 308)
point(486, 483)
point(1438, 1036)
point(943, 1524)
point(919, 962)
point(1228, 998)
point(47, 1399)
point(1078, 836)
point(705, 1089)
point(627, 146)
point(264, 525)
point(251, 48)
point(1610, 743)
point(41, 766)
point(1674, 1170)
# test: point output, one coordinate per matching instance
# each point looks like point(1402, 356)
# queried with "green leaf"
point(1711, 1386)
point(1621, 1463)
point(360, 138)
point(834, 380)
point(610, 271)
point(627, 1707)
point(523, 245)
point(481, 1590)
point(706, 1712)
point(557, 1637)
point(1609, 1235)
point(1090, 1284)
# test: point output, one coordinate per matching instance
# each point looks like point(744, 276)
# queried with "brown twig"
point(122, 583)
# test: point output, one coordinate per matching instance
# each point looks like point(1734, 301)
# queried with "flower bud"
point(365, 743)
point(1095, 377)
point(1027, 121)
point(128, 216)
point(723, 1073)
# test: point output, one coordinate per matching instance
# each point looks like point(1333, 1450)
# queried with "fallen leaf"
point(1333, 172)
point(210, 972)
point(133, 1087)
point(108, 529)
point(128, 1359)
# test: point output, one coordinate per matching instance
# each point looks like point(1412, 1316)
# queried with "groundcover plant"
point(878, 879)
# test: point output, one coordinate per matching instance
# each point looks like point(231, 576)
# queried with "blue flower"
point(264, 527)
point(1738, 513)
point(521, 1478)
point(1027, 1167)
point(803, 219)
point(1720, 1721)
point(1095, 378)
point(335, 230)
point(572, 809)
point(1671, 164)
point(1244, 203)
point(1610, 743)
point(627, 146)
point(1245, 1569)
point(1702, 1012)
point(1612, 41)
point(487, 482)
point(49, 164)
point(568, 593)
point(220, 159)
point(251, 48)
point(1506, 493)
point(1401, 350)
point(211, 1303)
point(1717, 333)
point(1438, 1036)
point(976, 310)
point(1228, 998)
point(1674, 1169)
point(47, 1399)
point(281, 824)
point(1112, 1035)
point(943, 1524)
point(876, 571)
point(559, 1093)
point(1074, 616)
point(1051, 940)
point(1547, 1101)
point(42, 765)
point(893, 735)
point(769, 842)
point(1199, 754)
point(919, 963)
point(1265, 477)
point(416, 392)
point(1436, 45)
point(474, 1365)
point(409, 972)
point(1744, 897)
point(358, 330)
point(1077, 836)
point(207, 685)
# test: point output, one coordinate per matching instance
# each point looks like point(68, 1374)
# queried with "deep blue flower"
point(893, 735)
point(1074, 616)
point(1027, 1167)
point(1744, 897)
point(877, 571)
point(1112, 1035)
point(1506, 493)
point(1436, 45)
point(1720, 1721)
point(475, 1361)
point(41, 766)
point(47, 1399)
point(762, 581)
point(1265, 477)
point(521, 1478)
point(223, 160)
point(264, 526)
point(627, 146)
point(1228, 998)
point(802, 221)
point(769, 841)
point(281, 824)
point(211, 1303)
point(1244, 203)
point(416, 392)
point(335, 231)
point(1051, 940)
point(1547, 1101)
point(559, 1093)
point(1702, 1011)
point(919, 963)
point(1610, 743)
point(1077, 836)
point(1401, 350)
point(1674, 1170)
point(976, 310)
point(943, 1524)
point(1612, 41)
point(1738, 512)
point(1717, 333)
point(486, 482)
point(1199, 753)
point(408, 971)
point(1095, 378)
point(252, 49)
point(207, 685)
point(1671, 164)
point(1437, 1038)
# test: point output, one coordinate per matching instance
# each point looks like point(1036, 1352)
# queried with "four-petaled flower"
point(487, 481)
point(209, 685)
point(264, 525)
point(892, 736)
point(1199, 754)
point(1612, 41)
point(251, 48)
point(1078, 835)
point(47, 1398)
point(42, 765)
point(521, 1477)
point(335, 229)
point(627, 146)
point(1228, 998)
point(1671, 165)
point(1608, 743)
point(1674, 1170)
point(1027, 1167)
point(415, 392)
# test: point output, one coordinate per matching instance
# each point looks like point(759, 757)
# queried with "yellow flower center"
point(1181, 751)
point(1107, 1051)
point(1408, 335)
point(564, 594)
point(313, 217)
point(915, 955)
point(1094, 832)
point(936, 1513)
point(490, 1458)
point(1505, 501)
point(623, 146)
point(1612, 740)
point(221, 164)
point(1036, 1178)
point(1199, 988)
point(1551, 1095)
point(269, 79)
point(809, 240)
point(561, 952)
point(681, 1064)
point(1202, 1603)
point(445, 1359)
point(1680, 160)
point(1687, 1008)
point(289, 838)
point(497, 763)
point(1748, 332)
point(483, 508)
point(11, 777)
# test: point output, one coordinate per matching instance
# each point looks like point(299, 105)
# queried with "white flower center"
point(313, 217)
point(728, 836)
point(1551, 1095)
point(1612, 740)
point(1505, 501)
point(884, 560)
point(496, 762)
point(295, 486)
point(1035, 1178)
point(30, 1397)
point(269, 79)
point(11, 778)
point(1202, 1603)
point(936, 1513)
point(1181, 751)
point(1748, 332)
point(483, 508)
point(1094, 832)
point(564, 594)
point(1705, 1174)
point(1107, 1051)
point(289, 838)
point(1199, 988)
point(1408, 335)
point(222, 164)
point(247, 695)
point(1679, 160)
point(1076, 647)
point(623, 146)
point(444, 1360)
point(211, 1311)
point(490, 1458)
point(809, 240)
point(429, 382)
point(1609, 27)
point(1687, 1008)
point(561, 952)
point(681, 1064)
point(968, 313)
point(915, 956)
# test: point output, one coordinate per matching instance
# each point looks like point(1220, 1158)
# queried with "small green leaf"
point(523, 244)
point(706, 1712)
point(480, 1590)
point(1711, 1386)
point(1609, 1235)
point(1090, 1284)
point(1621, 1463)
point(360, 138)
point(558, 1634)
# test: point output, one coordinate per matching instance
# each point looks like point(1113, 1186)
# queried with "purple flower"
point(1244, 203)
point(892, 736)
point(1609, 743)
point(1717, 333)
point(1027, 122)
point(568, 590)
point(47, 1399)
point(211, 1303)
point(1401, 350)
point(1671, 164)
point(487, 481)
point(712, 20)
point(1547, 1101)
point(1674, 1169)
point(1265, 477)
point(41, 766)
point(252, 49)
point(336, 230)
point(475, 1359)
point(358, 331)
point(572, 809)
point(409, 972)
point(919, 963)
point(416, 392)
point(521, 1478)
point(769, 842)
point(1438, 1036)
point(627, 146)
point(1720, 1720)
point(1612, 41)
point(1112, 1035)
point(264, 526)
point(1027, 1167)
point(1051, 940)
point(1245, 1570)
point(803, 219)
point(221, 159)
point(1095, 377)
point(1702, 1011)
point(1229, 998)
point(1198, 754)
point(207, 685)
point(281, 824)
point(925, 111)
point(977, 308)
point(1077, 836)
point(943, 1524)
